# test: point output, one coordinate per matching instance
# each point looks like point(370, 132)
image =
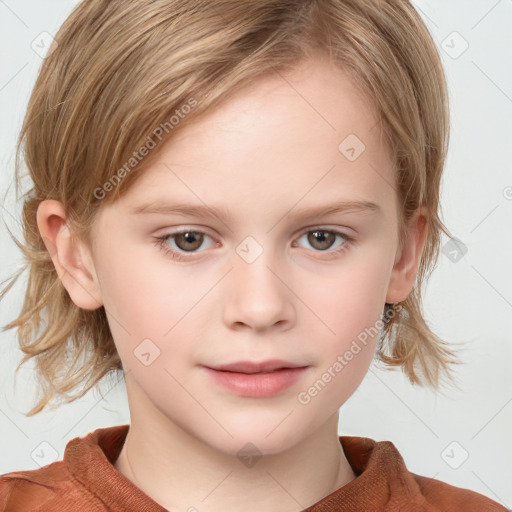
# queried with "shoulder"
point(448, 497)
point(385, 480)
point(68, 484)
point(35, 489)
point(50, 488)
point(85, 479)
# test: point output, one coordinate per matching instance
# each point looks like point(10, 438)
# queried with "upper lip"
point(256, 366)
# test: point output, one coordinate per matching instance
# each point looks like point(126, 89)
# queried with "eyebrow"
point(205, 211)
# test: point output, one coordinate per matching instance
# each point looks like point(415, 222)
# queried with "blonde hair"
point(122, 70)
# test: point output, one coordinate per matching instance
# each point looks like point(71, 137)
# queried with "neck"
point(182, 472)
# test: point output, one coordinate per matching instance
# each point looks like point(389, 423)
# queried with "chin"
point(257, 439)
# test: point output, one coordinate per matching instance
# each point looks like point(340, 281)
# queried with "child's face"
point(256, 287)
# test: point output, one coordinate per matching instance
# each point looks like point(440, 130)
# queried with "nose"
point(257, 294)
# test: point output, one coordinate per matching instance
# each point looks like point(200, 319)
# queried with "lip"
point(256, 380)
point(256, 366)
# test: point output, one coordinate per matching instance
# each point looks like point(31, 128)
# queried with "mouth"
point(256, 380)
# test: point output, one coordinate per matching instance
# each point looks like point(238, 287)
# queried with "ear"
point(408, 258)
point(71, 256)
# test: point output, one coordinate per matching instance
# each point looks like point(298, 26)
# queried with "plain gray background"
point(462, 437)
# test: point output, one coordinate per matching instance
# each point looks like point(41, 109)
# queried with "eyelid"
point(184, 228)
point(325, 227)
point(307, 229)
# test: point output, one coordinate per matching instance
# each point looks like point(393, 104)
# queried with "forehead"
point(315, 101)
point(310, 131)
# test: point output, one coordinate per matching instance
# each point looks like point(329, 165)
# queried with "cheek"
point(350, 296)
point(148, 299)
point(348, 304)
point(347, 337)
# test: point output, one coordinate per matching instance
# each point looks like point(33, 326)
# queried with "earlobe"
point(71, 257)
point(405, 269)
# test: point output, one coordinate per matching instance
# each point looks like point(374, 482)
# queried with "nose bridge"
point(258, 296)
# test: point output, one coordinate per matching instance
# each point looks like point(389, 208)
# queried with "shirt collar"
point(380, 469)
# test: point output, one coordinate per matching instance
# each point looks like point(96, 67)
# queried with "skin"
point(269, 150)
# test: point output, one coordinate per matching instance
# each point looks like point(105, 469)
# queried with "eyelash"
point(161, 242)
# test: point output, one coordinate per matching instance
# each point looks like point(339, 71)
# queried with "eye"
point(182, 242)
point(323, 239)
point(179, 243)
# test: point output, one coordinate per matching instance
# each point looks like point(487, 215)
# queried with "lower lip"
point(257, 385)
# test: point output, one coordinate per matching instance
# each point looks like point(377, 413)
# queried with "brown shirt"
point(86, 480)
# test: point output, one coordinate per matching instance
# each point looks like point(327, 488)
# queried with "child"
point(298, 147)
